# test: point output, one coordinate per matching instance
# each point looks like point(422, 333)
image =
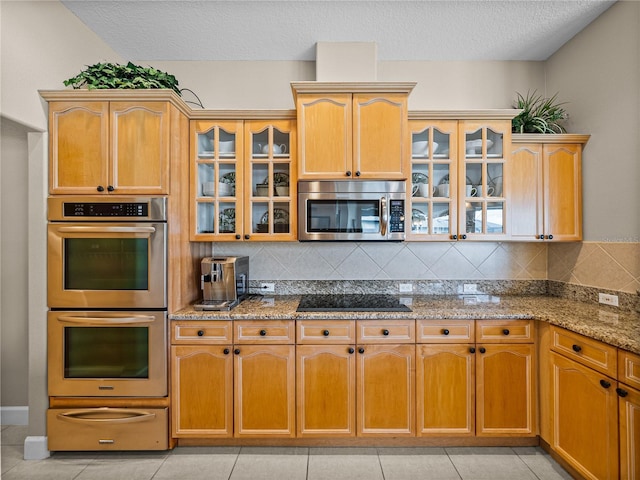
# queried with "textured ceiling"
point(288, 30)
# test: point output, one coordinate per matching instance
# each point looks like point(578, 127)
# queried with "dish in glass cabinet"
point(419, 178)
point(476, 145)
point(279, 216)
point(279, 179)
point(418, 216)
point(228, 220)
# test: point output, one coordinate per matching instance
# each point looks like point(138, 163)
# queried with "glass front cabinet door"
point(483, 149)
point(216, 180)
point(433, 180)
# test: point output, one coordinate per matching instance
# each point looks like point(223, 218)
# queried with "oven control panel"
point(85, 209)
point(396, 216)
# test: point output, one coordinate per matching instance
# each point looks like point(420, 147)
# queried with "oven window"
point(335, 216)
point(106, 264)
point(106, 352)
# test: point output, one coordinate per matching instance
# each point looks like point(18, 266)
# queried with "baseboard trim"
point(35, 448)
point(14, 415)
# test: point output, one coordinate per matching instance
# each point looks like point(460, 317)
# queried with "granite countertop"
point(604, 323)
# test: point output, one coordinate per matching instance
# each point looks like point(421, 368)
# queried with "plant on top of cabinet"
point(539, 114)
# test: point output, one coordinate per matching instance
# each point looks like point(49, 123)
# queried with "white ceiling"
point(288, 30)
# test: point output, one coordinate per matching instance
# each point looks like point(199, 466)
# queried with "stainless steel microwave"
point(353, 210)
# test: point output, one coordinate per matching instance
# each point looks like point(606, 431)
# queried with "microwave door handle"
point(107, 320)
point(103, 229)
point(384, 218)
point(128, 415)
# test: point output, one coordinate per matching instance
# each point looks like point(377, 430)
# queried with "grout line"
point(452, 463)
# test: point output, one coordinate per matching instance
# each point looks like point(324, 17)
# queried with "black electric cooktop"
point(351, 303)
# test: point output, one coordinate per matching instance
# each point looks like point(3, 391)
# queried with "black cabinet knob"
point(100, 188)
point(325, 333)
point(351, 350)
point(576, 348)
point(385, 332)
point(110, 188)
point(621, 392)
point(263, 333)
point(348, 173)
point(247, 237)
point(361, 350)
point(550, 237)
point(483, 350)
point(238, 237)
point(506, 331)
point(445, 331)
point(463, 236)
point(237, 351)
point(472, 349)
point(357, 173)
point(454, 237)
point(226, 351)
point(200, 333)
point(605, 383)
point(541, 237)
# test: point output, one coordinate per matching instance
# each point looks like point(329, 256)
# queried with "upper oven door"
point(107, 265)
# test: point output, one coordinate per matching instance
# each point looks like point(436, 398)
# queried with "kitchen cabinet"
point(326, 378)
point(264, 378)
point(109, 147)
point(629, 414)
point(385, 376)
point(357, 130)
point(584, 412)
point(546, 187)
point(243, 180)
point(201, 380)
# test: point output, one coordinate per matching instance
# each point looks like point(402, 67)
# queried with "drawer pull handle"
point(576, 348)
point(200, 333)
point(621, 392)
point(472, 349)
point(385, 332)
point(361, 350)
point(325, 333)
point(263, 333)
point(226, 351)
point(605, 384)
point(237, 351)
point(483, 350)
point(445, 331)
point(122, 415)
point(506, 331)
point(351, 350)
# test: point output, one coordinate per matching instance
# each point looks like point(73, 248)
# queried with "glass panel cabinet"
point(243, 180)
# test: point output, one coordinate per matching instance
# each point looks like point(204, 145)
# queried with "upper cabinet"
point(546, 188)
point(352, 130)
point(117, 147)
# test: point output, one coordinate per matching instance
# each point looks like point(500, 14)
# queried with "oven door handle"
point(384, 217)
point(128, 415)
point(106, 229)
point(107, 320)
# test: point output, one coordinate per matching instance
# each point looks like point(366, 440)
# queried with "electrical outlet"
point(405, 288)
point(608, 299)
point(268, 287)
point(470, 288)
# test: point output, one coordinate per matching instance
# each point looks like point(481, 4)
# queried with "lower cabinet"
point(629, 411)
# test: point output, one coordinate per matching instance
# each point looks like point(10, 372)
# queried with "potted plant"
point(539, 114)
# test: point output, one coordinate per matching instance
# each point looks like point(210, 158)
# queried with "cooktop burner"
point(351, 303)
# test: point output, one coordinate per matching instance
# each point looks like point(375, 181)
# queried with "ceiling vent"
point(346, 61)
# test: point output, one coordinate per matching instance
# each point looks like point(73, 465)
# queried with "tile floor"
point(252, 463)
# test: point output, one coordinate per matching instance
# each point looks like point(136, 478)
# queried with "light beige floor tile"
point(10, 456)
point(490, 463)
point(197, 467)
point(122, 467)
point(270, 467)
point(43, 470)
point(424, 466)
point(14, 435)
point(344, 467)
point(545, 467)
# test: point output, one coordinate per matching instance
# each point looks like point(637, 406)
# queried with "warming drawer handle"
point(107, 320)
point(105, 229)
point(129, 415)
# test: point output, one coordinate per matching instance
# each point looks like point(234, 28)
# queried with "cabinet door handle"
point(325, 333)
point(550, 237)
point(348, 173)
point(605, 384)
point(361, 350)
point(463, 236)
point(110, 188)
point(226, 351)
point(483, 350)
point(100, 188)
point(621, 392)
point(238, 237)
point(472, 349)
point(445, 331)
point(385, 332)
point(541, 237)
point(200, 333)
point(506, 331)
point(576, 348)
point(263, 333)
point(237, 351)
point(351, 350)
point(357, 173)
point(454, 237)
point(247, 237)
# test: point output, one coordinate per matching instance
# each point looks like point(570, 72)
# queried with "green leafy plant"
point(113, 75)
point(539, 114)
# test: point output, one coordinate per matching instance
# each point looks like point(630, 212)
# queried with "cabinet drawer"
point(386, 331)
point(587, 351)
point(209, 332)
point(326, 331)
point(263, 332)
point(108, 429)
point(445, 331)
point(629, 368)
point(504, 331)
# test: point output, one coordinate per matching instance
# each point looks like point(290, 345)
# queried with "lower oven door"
point(107, 354)
point(107, 429)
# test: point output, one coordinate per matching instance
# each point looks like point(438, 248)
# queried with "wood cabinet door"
point(201, 391)
point(140, 148)
point(325, 133)
point(584, 416)
point(326, 390)
point(629, 410)
point(506, 390)
point(445, 390)
point(381, 138)
point(386, 384)
point(526, 192)
point(78, 147)
point(264, 390)
point(563, 191)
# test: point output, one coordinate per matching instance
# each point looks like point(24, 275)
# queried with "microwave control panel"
point(396, 216)
point(83, 209)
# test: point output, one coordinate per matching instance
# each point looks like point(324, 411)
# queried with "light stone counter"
point(607, 324)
